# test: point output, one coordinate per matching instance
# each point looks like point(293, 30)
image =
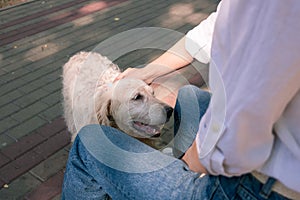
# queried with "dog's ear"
point(103, 110)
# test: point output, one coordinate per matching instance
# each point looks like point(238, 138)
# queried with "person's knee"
point(88, 130)
point(187, 90)
point(191, 92)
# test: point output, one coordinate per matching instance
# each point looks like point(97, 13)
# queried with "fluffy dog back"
point(86, 77)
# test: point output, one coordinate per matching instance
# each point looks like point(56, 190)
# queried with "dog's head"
point(130, 105)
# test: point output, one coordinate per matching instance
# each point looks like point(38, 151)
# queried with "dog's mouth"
point(150, 130)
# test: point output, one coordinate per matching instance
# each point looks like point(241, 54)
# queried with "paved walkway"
point(36, 39)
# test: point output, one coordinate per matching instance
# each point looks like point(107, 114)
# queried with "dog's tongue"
point(151, 129)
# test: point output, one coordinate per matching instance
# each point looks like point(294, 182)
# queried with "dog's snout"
point(169, 111)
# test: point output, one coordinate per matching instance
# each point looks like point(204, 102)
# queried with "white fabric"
point(253, 121)
point(198, 40)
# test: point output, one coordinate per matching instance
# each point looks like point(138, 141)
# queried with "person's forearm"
point(175, 58)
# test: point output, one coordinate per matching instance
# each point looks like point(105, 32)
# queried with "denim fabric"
point(191, 105)
point(105, 162)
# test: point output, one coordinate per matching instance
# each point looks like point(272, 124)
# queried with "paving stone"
point(30, 98)
point(22, 11)
point(99, 16)
point(51, 23)
point(49, 189)
point(30, 159)
point(2, 72)
point(54, 86)
point(34, 85)
point(8, 109)
point(5, 141)
point(14, 74)
point(31, 18)
point(18, 167)
point(3, 159)
point(53, 144)
point(2, 183)
point(55, 74)
point(52, 165)
point(58, 197)
point(56, 126)
point(68, 148)
point(26, 127)
point(19, 188)
point(23, 145)
point(38, 83)
point(11, 96)
point(7, 123)
point(125, 26)
point(12, 66)
point(53, 112)
point(30, 141)
point(53, 98)
point(37, 74)
point(29, 111)
point(8, 87)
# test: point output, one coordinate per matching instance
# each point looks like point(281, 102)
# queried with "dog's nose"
point(169, 111)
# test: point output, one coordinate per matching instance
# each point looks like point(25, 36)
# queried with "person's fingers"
point(148, 81)
point(120, 76)
point(123, 74)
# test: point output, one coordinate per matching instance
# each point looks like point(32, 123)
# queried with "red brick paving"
point(31, 150)
point(29, 142)
point(3, 159)
point(49, 189)
point(40, 14)
point(35, 28)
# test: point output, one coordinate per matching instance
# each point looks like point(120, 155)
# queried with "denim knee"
point(186, 90)
point(193, 99)
point(190, 91)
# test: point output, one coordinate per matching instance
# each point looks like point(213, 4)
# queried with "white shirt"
point(253, 121)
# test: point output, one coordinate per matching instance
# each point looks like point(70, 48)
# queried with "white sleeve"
point(198, 40)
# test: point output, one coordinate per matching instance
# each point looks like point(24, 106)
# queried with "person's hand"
point(137, 73)
point(191, 158)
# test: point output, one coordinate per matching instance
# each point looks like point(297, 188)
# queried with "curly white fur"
point(80, 84)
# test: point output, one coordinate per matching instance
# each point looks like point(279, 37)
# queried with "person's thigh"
point(105, 161)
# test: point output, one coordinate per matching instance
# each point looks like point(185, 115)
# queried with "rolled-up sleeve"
point(198, 40)
point(254, 74)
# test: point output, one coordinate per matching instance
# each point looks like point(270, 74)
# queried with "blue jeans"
point(105, 162)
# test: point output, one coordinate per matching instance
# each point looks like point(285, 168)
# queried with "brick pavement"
point(36, 39)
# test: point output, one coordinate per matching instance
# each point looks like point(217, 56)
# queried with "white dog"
point(91, 97)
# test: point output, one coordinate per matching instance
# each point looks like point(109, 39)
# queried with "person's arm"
point(196, 44)
point(175, 58)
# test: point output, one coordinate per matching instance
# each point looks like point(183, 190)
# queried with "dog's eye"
point(137, 97)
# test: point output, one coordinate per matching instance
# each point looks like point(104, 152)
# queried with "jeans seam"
point(218, 184)
point(242, 191)
point(178, 183)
